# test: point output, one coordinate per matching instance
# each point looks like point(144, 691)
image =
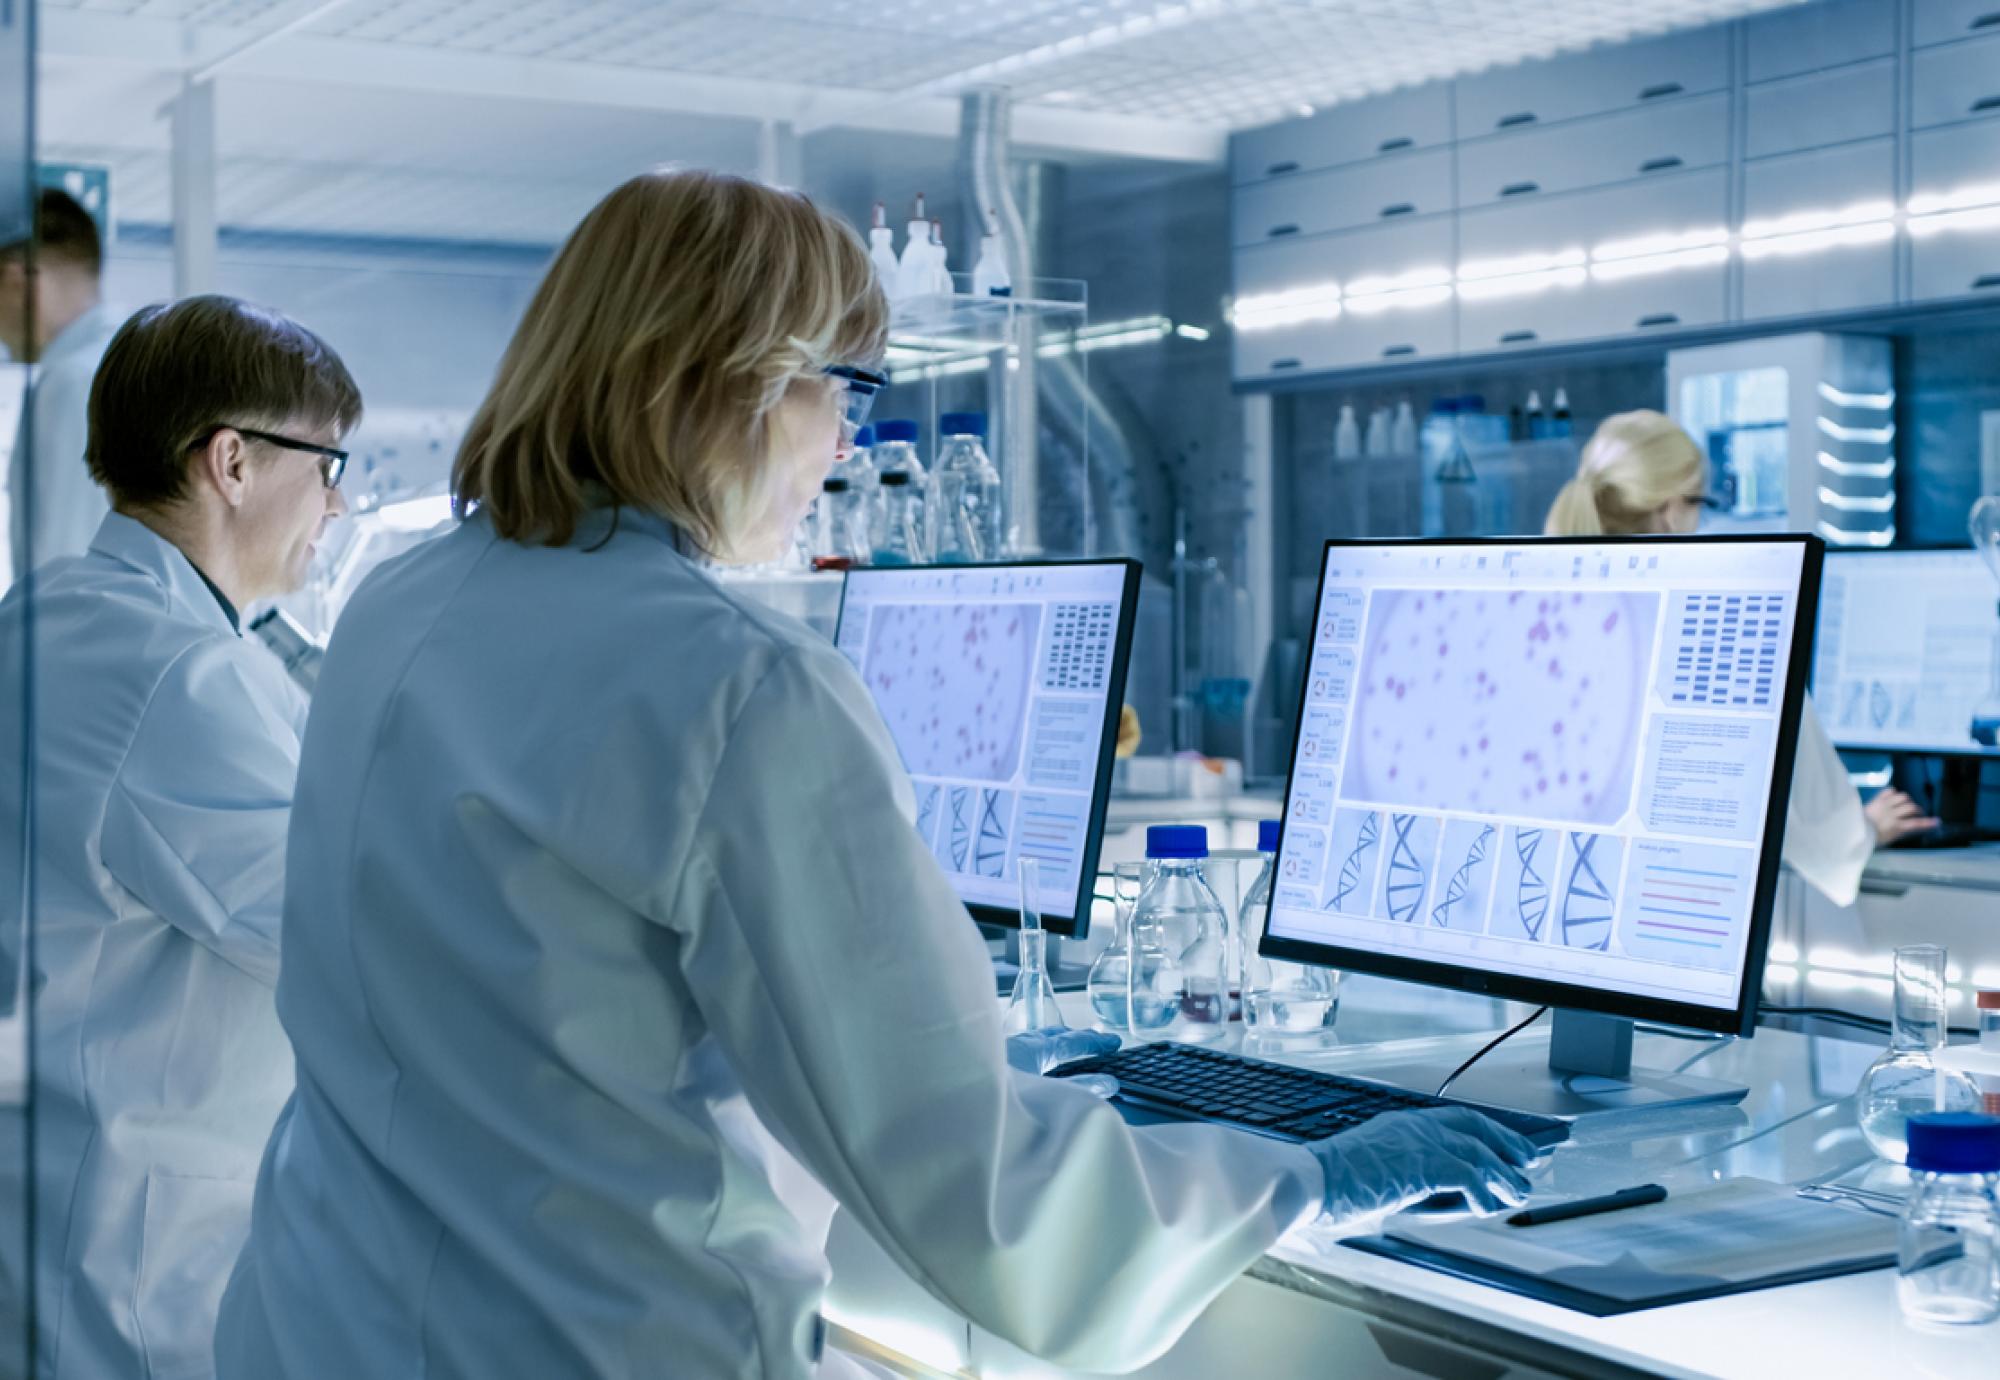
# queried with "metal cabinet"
point(1400, 121)
point(1622, 296)
point(1822, 264)
point(1595, 153)
point(1595, 82)
point(1943, 21)
point(1824, 108)
point(1958, 82)
point(1808, 38)
point(1385, 329)
point(1414, 184)
point(1954, 227)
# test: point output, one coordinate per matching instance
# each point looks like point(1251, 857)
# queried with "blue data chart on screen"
point(1547, 760)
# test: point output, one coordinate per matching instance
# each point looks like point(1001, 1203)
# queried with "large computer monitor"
point(1905, 658)
point(1553, 771)
point(1001, 685)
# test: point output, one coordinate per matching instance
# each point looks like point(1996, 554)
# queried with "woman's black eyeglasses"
point(332, 463)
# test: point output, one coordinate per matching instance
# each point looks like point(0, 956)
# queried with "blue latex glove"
point(1398, 1159)
point(1038, 1051)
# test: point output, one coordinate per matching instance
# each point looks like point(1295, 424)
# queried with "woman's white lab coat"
point(165, 750)
point(613, 964)
point(1828, 839)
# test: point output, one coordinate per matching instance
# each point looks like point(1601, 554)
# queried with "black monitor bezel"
point(1739, 1020)
point(1077, 924)
point(1971, 752)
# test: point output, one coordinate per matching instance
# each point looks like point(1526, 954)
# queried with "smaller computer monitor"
point(1906, 651)
point(1001, 686)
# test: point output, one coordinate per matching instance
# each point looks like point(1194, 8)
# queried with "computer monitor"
point(1906, 651)
point(1001, 685)
point(1555, 771)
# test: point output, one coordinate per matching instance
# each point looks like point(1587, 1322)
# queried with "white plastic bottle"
point(1538, 424)
point(913, 270)
point(1346, 435)
point(989, 275)
point(1376, 444)
point(1403, 431)
point(882, 252)
point(967, 512)
point(941, 284)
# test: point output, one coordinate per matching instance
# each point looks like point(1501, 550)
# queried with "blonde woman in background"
point(1642, 474)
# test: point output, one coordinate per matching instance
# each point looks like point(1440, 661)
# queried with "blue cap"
point(1267, 835)
point(865, 437)
point(896, 429)
point(1444, 407)
point(1954, 1143)
point(963, 424)
point(1177, 841)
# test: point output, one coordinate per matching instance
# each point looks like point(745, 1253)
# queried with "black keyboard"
point(1197, 1084)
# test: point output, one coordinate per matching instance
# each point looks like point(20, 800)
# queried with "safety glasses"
point(857, 396)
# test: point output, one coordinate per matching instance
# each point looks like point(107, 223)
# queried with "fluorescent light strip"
point(1857, 469)
point(1850, 503)
point(1959, 198)
point(1865, 435)
point(1619, 270)
point(1985, 218)
point(1878, 402)
point(1480, 270)
point(1410, 280)
point(1841, 536)
point(1803, 222)
point(1523, 284)
point(1817, 241)
point(1402, 299)
point(1655, 246)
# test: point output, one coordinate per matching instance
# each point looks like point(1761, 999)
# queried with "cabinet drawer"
point(1825, 108)
point(1948, 160)
point(1674, 204)
point(1959, 82)
point(1596, 152)
point(1956, 259)
point(1381, 251)
point(1811, 37)
point(1350, 341)
point(1413, 184)
point(1836, 269)
point(1592, 83)
point(1413, 119)
point(1941, 21)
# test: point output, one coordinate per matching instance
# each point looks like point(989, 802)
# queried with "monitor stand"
point(1587, 1070)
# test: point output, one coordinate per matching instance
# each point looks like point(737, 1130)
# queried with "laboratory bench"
point(1315, 1307)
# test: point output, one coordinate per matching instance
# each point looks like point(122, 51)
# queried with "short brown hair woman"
point(614, 961)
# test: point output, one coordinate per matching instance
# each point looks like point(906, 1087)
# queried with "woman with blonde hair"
point(1641, 473)
point(613, 961)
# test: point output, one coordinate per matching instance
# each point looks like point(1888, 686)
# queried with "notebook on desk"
point(1738, 1236)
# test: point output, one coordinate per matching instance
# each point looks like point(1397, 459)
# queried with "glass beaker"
point(1908, 1079)
point(1033, 1005)
point(1135, 985)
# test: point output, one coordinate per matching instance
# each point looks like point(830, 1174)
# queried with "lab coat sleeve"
point(68, 504)
point(1828, 839)
point(196, 820)
point(846, 985)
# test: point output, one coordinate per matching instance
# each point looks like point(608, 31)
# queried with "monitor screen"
point(1552, 770)
point(1001, 686)
point(1905, 656)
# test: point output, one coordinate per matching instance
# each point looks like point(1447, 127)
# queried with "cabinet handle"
point(1653, 165)
point(1985, 21)
point(1665, 318)
point(1401, 208)
point(1984, 104)
point(1391, 351)
point(1277, 364)
point(1986, 280)
point(1520, 188)
point(1525, 117)
point(1280, 169)
point(1877, 886)
point(1280, 231)
point(1665, 88)
point(1398, 144)
point(1517, 337)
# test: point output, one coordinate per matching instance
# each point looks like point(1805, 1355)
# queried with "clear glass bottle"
point(895, 452)
point(899, 522)
point(1948, 1252)
point(1908, 1079)
point(967, 509)
point(1180, 905)
point(1279, 998)
point(1033, 1005)
point(1135, 984)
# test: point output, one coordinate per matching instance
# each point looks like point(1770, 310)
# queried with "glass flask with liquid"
point(1033, 1005)
point(1908, 1079)
point(1135, 985)
point(1180, 905)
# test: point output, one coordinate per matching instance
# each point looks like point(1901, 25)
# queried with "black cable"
point(1489, 1047)
point(1854, 1018)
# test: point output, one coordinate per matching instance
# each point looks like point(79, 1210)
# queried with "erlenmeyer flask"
point(1033, 1005)
point(1908, 1078)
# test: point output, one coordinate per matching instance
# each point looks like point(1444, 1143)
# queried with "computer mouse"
point(1441, 1203)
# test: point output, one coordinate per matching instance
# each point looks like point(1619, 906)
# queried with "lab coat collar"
point(133, 543)
point(83, 334)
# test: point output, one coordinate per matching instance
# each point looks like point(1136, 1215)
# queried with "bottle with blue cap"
point(844, 526)
point(902, 533)
point(1948, 1254)
point(967, 510)
point(1178, 903)
point(1279, 998)
point(1135, 984)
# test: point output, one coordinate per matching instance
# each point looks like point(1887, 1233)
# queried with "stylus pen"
point(1589, 1207)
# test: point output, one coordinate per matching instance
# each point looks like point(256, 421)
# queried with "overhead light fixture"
point(1955, 198)
point(1865, 435)
point(1857, 469)
point(1950, 222)
point(1660, 245)
point(1641, 266)
point(1853, 503)
point(1878, 402)
point(1842, 536)
point(1804, 222)
point(1816, 241)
